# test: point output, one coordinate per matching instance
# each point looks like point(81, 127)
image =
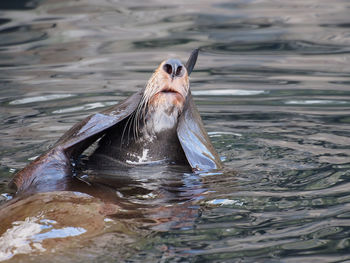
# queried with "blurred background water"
point(272, 83)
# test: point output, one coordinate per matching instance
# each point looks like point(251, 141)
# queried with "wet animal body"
point(160, 123)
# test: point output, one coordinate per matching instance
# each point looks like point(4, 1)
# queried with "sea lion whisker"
point(135, 126)
point(136, 120)
point(125, 127)
point(144, 108)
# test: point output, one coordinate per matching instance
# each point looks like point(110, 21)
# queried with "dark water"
point(272, 84)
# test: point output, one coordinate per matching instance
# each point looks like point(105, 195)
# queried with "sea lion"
point(149, 134)
point(160, 122)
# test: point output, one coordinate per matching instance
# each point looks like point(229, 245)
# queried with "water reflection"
point(139, 200)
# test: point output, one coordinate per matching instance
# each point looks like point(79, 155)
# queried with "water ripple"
point(316, 102)
point(299, 47)
point(228, 92)
point(86, 107)
point(40, 98)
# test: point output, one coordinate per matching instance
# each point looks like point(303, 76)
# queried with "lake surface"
point(272, 83)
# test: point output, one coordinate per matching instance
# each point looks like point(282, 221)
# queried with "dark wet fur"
point(122, 139)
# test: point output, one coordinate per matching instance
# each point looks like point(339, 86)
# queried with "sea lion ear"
point(195, 142)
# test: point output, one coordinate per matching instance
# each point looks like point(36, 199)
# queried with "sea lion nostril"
point(168, 69)
point(178, 71)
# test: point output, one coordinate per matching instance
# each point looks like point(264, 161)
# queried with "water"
point(272, 83)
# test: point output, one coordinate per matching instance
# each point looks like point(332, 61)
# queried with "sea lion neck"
point(161, 117)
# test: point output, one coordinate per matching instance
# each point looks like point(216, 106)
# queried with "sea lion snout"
point(174, 68)
point(164, 96)
point(168, 87)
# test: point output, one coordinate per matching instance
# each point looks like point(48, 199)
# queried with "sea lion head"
point(168, 85)
point(164, 96)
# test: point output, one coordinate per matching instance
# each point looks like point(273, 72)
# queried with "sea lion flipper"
point(47, 173)
point(51, 170)
point(199, 151)
point(195, 142)
point(84, 133)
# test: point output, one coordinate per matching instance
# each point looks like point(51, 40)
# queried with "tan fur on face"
point(162, 81)
point(155, 99)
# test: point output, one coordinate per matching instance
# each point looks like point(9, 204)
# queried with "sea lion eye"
point(178, 71)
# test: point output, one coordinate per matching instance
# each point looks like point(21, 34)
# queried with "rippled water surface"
point(272, 83)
